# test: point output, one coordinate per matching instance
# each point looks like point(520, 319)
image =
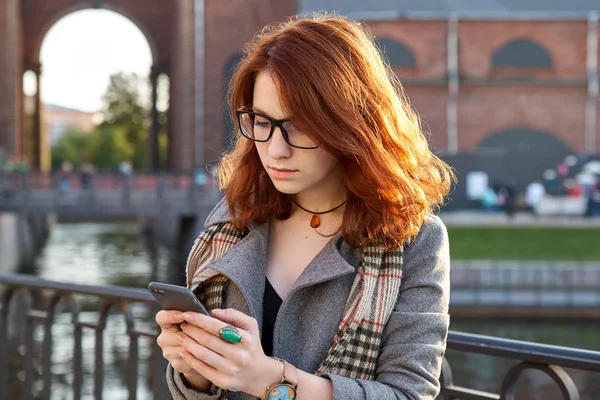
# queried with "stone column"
point(153, 137)
point(199, 153)
point(593, 85)
point(9, 61)
point(37, 136)
point(181, 144)
point(453, 85)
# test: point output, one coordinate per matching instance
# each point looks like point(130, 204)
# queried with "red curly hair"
point(333, 81)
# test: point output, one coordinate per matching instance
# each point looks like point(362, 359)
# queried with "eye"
point(261, 122)
point(290, 127)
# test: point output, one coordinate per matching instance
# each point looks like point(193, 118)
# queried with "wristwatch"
point(285, 389)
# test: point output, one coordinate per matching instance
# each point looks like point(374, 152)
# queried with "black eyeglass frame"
point(274, 123)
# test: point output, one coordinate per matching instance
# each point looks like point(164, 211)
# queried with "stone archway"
point(169, 29)
point(520, 155)
point(523, 141)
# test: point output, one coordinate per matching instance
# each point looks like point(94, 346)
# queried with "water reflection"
point(99, 254)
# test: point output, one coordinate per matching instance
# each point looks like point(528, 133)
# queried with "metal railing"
point(550, 360)
point(103, 194)
point(48, 294)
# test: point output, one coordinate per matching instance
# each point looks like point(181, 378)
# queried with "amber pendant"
point(315, 221)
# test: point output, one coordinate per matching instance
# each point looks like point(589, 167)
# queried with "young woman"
point(325, 271)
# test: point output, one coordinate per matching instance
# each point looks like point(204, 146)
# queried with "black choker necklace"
point(315, 221)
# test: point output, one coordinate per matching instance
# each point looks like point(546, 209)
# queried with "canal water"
point(116, 253)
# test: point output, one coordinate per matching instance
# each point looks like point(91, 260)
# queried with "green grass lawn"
point(524, 243)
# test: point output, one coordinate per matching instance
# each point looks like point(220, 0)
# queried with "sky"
point(80, 52)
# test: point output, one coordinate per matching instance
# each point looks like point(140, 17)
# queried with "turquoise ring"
point(230, 334)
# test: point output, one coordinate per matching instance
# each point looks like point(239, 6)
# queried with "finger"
point(167, 318)
point(172, 354)
point(210, 373)
point(210, 341)
point(205, 354)
point(237, 319)
point(167, 338)
point(210, 324)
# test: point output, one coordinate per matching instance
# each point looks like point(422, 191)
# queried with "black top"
point(271, 304)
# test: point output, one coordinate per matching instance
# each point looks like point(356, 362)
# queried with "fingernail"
point(178, 317)
point(217, 311)
point(182, 354)
point(180, 337)
point(188, 317)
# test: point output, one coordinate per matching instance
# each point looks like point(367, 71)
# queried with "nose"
point(278, 147)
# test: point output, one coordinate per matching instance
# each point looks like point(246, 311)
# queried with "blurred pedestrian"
point(489, 200)
point(534, 193)
point(507, 199)
point(64, 178)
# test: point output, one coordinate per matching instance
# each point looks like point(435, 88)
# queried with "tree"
point(123, 133)
point(73, 146)
point(110, 148)
point(123, 109)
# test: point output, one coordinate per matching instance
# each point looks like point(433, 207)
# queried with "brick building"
point(509, 88)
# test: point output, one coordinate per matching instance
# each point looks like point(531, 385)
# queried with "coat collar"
point(244, 264)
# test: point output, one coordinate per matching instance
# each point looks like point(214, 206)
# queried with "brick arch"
point(157, 20)
point(53, 19)
point(397, 54)
point(520, 155)
point(523, 141)
point(522, 53)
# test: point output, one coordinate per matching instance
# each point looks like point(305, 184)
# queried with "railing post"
point(6, 297)
point(446, 380)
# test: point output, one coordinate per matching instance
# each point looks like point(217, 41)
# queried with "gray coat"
point(414, 339)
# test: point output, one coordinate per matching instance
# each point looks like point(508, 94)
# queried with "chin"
point(286, 187)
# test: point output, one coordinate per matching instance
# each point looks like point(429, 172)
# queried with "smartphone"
point(173, 297)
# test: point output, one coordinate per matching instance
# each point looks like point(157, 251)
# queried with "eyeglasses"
point(260, 128)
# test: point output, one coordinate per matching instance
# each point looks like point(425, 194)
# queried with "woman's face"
point(292, 170)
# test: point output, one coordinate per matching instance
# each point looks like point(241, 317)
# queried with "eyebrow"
point(258, 110)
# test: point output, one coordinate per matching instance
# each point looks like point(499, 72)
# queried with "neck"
point(319, 203)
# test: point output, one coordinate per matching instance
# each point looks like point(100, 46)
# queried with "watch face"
point(282, 391)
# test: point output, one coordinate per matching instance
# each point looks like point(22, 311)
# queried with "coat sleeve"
point(414, 339)
point(180, 391)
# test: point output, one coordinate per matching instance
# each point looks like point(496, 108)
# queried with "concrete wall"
point(21, 239)
point(9, 243)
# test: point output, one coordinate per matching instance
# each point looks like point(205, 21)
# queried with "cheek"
point(325, 162)
point(261, 150)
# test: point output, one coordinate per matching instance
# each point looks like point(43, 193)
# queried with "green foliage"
point(73, 146)
point(123, 134)
point(123, 110)
point(110, 146)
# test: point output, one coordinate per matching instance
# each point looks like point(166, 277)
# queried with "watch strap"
point(289, 380)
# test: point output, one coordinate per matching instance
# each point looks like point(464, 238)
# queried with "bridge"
point(104, 195)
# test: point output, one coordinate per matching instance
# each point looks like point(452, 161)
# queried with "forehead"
point(266, 98)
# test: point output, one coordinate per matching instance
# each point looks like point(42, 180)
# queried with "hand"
point(171, 348)
point(234, 366)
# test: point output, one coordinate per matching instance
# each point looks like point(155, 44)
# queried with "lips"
point(281, 173)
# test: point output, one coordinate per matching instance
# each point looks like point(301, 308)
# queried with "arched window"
point(522, 53)
point(523, 141)
point(397, 54)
